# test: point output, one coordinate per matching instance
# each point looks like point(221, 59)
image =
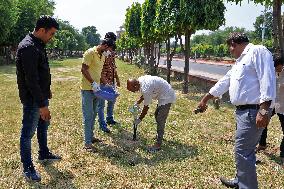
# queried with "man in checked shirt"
point(108, 78)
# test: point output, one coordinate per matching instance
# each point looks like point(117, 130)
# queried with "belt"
point(248, 106)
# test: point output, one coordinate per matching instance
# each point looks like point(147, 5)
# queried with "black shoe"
point(105, 129)
point(112, 122)
point(229, 183)
point(49, 157)
point(30, 174)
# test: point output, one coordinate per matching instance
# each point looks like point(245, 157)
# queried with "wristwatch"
point(263, 112)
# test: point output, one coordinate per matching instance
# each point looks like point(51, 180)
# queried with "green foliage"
point(8, 17)
point(91, 35)
point(205, 14)
point(258, 25)
point(217, 37)
point(133, 26)
point(28, 12)
point(133, 21)
point(168, 16)
point(68, 38)
point(263, 2)
point(214, 44)
point(148, 17)
point(122, 42)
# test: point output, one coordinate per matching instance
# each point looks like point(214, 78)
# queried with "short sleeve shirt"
point(92, 59)
point(153, 87)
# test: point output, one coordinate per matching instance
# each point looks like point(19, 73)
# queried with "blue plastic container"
point(107, 93)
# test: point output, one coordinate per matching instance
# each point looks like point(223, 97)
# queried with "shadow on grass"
point(271, 155)
point(128, 153)
point(8, 69)
point(57, 178)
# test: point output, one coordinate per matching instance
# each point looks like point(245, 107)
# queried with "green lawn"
point(197, 148)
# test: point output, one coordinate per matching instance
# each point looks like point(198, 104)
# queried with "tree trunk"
point(277, 28)
point(169, 63)
point(186, 61)
point(280, 28)
point(140, 51)
point(159, 55)
point(170, 55)
point(8, 54)
point(152, 59)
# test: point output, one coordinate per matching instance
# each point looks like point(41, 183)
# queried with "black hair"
point(278, 60)
point(110, 35)
point(109, 42)
point(114, 47)
point(47, 22)
point(237, 37)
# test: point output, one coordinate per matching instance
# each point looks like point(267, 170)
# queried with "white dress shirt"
point(251, 80)
point(153, 87)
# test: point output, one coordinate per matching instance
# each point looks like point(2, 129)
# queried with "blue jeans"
point(89, 110)
point(101, 108)
point(247, 137)
point(30, 123)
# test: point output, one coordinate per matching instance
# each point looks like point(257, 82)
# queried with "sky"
point(108, 15)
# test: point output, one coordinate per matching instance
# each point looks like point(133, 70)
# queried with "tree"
point(197, 15)
point(67, 39)
point(258, 26)
point(121, 44)
point(277, 22)
point(28, 13)
point(166, 27)
point(8, 16)
point(91, 35)
point(133, 28)
point(148, 17)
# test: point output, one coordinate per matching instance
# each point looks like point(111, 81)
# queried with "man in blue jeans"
point(34, 80)
point(92, 65)
point(108, 77)
point(252, 88)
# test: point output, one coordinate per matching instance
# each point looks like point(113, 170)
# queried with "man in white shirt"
point(153, 87)
point(279, 106)
point(252, 89)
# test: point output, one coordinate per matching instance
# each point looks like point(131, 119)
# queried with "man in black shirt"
point(34, 80)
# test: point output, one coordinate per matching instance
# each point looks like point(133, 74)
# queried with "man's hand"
point(45, 113)
point(202, 106)
point(262, 120)
point(137, 121)
point(95, 87)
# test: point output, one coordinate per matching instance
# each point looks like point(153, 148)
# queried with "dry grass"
point(197, 148)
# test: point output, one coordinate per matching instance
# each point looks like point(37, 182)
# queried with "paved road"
point(207, 70)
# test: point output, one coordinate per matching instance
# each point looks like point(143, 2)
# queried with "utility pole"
point(263, 25)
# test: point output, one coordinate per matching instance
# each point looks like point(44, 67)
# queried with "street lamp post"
point(263, 25)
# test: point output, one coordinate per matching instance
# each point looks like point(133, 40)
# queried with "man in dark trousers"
point(34, 80)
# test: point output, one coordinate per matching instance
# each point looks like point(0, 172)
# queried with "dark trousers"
point(30, 123)
point(161, 115)
point(263, 137)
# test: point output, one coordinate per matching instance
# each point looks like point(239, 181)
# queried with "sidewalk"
point(204, 75)
point(201, 74)
point(203, 61)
